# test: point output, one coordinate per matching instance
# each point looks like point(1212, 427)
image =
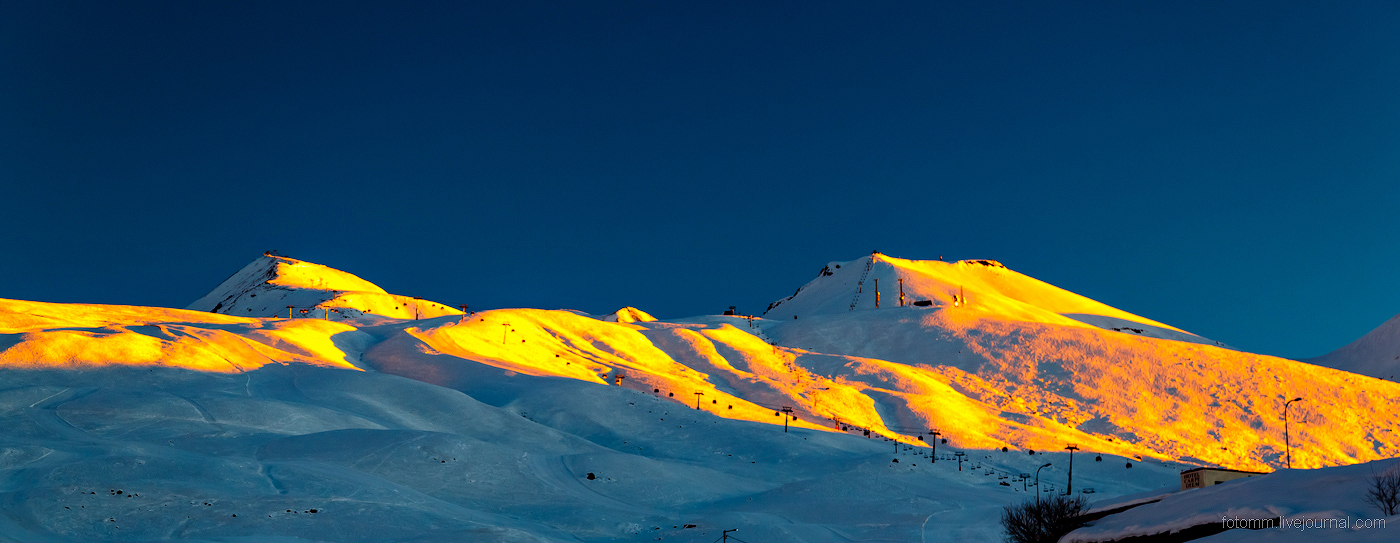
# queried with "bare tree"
point(1045, 521)
point(1385, 491)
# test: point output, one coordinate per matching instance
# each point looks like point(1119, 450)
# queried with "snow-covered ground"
point(1327, 504)
point(486, 426)
point(328, 454)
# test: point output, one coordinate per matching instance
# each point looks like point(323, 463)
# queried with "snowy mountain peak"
point(1376, 354)
point(629, 314)
point(268, 285)
point(982, 287)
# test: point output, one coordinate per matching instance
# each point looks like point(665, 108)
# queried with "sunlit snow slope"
point(1003, 367)
point(881, 280)
point(268, 285)
point(78, 336)
point(1013, 363)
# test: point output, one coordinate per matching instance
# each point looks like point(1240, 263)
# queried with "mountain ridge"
point(996, 368)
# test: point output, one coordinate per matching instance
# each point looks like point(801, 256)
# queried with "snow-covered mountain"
point(275, 285)
point(487, 426)
point(1002, 367)
point(1376, 354)
point(986, 285)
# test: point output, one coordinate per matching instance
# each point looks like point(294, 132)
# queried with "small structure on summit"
point(1204, 477)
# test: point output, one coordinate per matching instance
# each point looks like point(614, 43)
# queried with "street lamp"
point(1287, 448)
point(1037, 482)
point(1069, 488)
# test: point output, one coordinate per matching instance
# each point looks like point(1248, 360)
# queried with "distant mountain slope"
point(267, 285)
point(986, 285)
point(1376, 354)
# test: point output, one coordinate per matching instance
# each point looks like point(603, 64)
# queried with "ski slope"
point(485, 426)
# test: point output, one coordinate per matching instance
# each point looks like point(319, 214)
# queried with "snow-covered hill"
point(272, 286)
point(1376, 354)
point(1001, 368)
point(988, 286)
point(304, 453)
point(486, 426)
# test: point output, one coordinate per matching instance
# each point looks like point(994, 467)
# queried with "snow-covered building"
point(1204, 477)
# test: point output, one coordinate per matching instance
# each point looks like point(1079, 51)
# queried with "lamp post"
point(1069, 488)
point(1287, 447)
point(1037, 482)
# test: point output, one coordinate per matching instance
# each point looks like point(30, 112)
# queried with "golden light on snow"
point(77, 336)
point(1022, 365)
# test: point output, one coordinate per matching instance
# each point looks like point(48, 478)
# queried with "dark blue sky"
point(1232, 170)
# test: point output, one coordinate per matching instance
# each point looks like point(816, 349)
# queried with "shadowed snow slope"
point(485, 427)
point(308, 453)
point(1376, 354)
